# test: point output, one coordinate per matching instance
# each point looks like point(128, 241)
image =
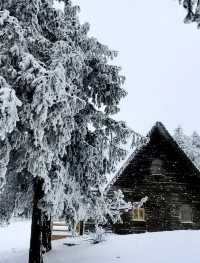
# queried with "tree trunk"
point(46, 233)
point(35, 252)
point(81, 228)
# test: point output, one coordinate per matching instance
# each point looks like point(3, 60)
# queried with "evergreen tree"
point(62, 141)
point(189, 144)
point(38, 62)
point(192, 8)
point(96, 145)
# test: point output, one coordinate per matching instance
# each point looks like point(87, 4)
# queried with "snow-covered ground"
point(166, 247)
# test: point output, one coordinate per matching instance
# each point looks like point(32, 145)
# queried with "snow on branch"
point(3, 16)
point(8, 108)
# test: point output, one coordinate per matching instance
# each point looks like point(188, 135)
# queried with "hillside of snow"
point(165, 247)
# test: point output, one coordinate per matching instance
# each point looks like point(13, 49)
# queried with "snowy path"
point(168, 247)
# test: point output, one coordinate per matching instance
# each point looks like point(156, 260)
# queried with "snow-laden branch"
point(8, 109)
point(8, 119)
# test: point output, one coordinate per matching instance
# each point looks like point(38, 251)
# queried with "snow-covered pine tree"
point(98, 139)
point(189, 144)
point(196, 145)
point(57, 70)
point(40, 63)
point(192, 8)
point(196, 139)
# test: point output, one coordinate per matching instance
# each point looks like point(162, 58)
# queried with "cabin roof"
point(160, 129)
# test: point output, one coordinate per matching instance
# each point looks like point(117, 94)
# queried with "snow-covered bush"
point(99, 235)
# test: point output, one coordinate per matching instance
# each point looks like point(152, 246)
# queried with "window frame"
point(183, 209)
point(139, 218)
point(156, 167)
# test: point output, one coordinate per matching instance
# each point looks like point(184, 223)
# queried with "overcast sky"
point(159, 55)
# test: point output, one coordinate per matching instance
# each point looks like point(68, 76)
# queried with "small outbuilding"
point(163, 172)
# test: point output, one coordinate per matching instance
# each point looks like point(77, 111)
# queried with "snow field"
point(165, 247)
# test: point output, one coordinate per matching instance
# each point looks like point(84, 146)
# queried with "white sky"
point(159, 55)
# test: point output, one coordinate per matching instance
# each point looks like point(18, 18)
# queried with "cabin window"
point(156, 167)
point(138, 214)
point(186, 214)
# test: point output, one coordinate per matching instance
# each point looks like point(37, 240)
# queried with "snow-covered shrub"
point(99, 235)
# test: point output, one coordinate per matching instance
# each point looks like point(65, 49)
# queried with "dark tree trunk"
point(46, 233)
point(81, 228)
point(35, 252)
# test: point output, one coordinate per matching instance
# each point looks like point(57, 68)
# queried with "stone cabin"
point(164, 173)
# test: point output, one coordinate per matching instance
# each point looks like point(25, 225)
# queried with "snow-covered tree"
point(96, 145)
point(97, 141)
point(63, 140)
point(40, 64)
point(192, 8)
point(189, 144)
